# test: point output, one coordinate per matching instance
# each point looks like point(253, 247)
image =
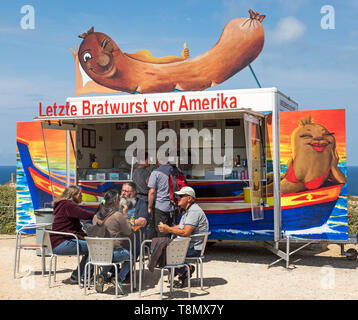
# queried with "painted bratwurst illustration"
point(314, 158)
point(240, 43)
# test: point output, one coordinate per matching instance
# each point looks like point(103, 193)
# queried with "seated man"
point(134, 208)
point(137, 209)
point(193, 221)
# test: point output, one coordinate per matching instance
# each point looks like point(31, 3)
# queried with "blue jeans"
point(69, 247)
point(118, 256)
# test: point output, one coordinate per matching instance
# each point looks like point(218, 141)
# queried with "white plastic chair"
point(142, 263)
point(101, 254)
point(48, 250)
point(199, 259)
point(175, 258)
point(19, 245)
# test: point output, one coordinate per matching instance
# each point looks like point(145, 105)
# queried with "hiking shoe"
point(99, 283)
point(119, 285)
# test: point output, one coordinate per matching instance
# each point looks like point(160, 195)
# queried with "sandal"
point(179, 283)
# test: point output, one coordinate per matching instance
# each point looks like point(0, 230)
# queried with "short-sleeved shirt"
point(195, 216)
point(159, 180)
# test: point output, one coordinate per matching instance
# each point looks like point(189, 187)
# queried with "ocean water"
point(5, 173)
point(352, 181)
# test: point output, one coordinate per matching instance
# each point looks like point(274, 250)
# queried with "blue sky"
point(316, 67)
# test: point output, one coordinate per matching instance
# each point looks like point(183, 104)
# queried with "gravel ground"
point(232, 271)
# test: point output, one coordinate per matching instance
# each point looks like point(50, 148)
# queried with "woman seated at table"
point(67, 218)
point(116, 225)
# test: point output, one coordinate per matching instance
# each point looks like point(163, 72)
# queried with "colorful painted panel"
point(313, 174)
point(39, 178)
point(24, 206)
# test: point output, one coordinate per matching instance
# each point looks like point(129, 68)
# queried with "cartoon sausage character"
point(240, 43)
point(315, 158)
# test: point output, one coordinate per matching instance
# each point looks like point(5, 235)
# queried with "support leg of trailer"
point(285, 255)
point(351, 253)
point(342, 249)
point(287, 251)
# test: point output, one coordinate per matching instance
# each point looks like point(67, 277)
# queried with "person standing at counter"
point(159, 193)
point(140, 177)
point(67, 218)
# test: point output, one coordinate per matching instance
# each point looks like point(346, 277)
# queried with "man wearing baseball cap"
point(193, 221)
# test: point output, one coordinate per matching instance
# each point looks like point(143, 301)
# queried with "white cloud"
point(287, 30)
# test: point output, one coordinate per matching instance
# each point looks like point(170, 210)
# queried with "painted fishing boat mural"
point(312, 213)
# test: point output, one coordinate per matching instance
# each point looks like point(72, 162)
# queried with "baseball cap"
point(186, 191)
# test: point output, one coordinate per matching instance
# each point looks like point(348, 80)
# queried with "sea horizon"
point(5, 173)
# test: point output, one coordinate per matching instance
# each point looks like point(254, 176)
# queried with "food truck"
point(235, 148)
point(262, 170)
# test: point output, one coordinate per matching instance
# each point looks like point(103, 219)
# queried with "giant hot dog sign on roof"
point(112, 70)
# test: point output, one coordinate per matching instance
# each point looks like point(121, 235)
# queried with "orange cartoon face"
point(313, 138)
point(96, 54)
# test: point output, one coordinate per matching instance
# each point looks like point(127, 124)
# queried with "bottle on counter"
point(237, 161)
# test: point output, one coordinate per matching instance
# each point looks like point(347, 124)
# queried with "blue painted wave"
point(24, 207)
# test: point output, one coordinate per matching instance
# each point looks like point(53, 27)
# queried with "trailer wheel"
point(352, 254)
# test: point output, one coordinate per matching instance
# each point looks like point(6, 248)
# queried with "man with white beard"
point(137, 209)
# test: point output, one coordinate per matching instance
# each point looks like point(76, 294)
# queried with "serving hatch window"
point(203, 149)
point(213, 149)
